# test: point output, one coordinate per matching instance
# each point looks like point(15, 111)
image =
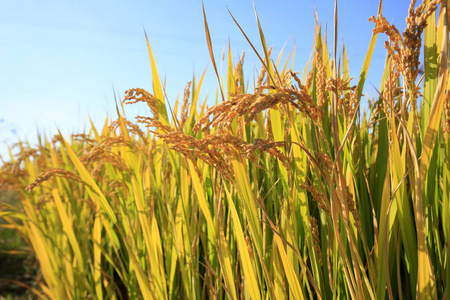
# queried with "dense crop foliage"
point(286, 191)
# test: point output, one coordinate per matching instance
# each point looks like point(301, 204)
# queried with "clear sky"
point(60, 61)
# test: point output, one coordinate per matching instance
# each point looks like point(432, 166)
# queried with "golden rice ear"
point(185, 106)
point(55, 172)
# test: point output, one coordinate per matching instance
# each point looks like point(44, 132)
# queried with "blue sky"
point(61, 60)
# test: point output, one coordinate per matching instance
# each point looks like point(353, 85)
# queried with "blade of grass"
point(264, 63)
point(157, 88)
point(366, 64)
point(211, 53)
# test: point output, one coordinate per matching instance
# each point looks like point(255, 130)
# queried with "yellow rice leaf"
point(269, 69)
point(446, 196)
point(249, 273)
point(157, 252)
point(150, 234)
point(45, 257)
point(446, 201)
point(230, 70)
point(279, 58)
point(94, 130)
point(200, 192)
point(431, 71)
point(266, 64)
point(250, 205)
point(94, 192)
point(277, 121)
point(384, 237)
point(426, 281)
point(68, 228)
point(211, 53)
point(141, 277)
point(291, 277)
point(181, 252)
point(6, 214)
point(97, 236)
point(366, 64)
point(51, 294)
point(123, 127)
point(433, 125)
point(300, 164)
point(397, 165)
point(157, 88)
point(223, 255)
point(69, 281)
point(279, 284)
point(194, 101)
point(105, 130)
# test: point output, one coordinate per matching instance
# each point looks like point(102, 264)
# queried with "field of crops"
point(284, 189)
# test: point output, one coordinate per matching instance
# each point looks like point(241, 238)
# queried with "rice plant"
point(288, 190)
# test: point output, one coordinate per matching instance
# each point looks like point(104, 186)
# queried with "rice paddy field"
point(286, 188)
